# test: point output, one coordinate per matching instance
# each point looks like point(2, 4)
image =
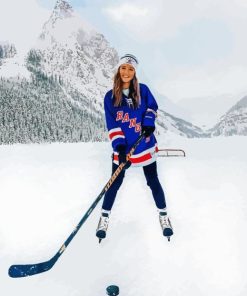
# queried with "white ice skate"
point(165, 225)
point(102, 226)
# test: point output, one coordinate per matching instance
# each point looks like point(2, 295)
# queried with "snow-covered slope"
point(206, 111)
point(167, 122)
point(45, 189)
point(11, 63)
point(234, 122)
point(14, 67)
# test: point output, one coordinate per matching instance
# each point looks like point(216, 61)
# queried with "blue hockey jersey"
point(124, 126)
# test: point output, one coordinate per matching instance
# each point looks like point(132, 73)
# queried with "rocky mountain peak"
point(240, 104)
point(234, 122)
point(62, 10)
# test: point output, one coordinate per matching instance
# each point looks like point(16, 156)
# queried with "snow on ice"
point(45, 190)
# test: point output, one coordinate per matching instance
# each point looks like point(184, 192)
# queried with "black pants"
point(150, 172)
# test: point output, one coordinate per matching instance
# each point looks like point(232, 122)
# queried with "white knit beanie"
point(128, 59)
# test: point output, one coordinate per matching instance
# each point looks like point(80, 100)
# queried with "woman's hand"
point(122, 156)
point(148, 130)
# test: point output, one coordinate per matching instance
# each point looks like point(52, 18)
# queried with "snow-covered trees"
point(39, 111)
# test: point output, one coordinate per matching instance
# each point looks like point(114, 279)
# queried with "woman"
point(130, 109)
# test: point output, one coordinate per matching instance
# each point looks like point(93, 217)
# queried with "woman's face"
point(127, 73)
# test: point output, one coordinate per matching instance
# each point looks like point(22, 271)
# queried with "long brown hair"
point(118, 88)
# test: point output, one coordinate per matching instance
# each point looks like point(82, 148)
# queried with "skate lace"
point(103, 223)
point(164, 221)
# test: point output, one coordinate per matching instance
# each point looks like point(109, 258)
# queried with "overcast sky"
point(187, 49)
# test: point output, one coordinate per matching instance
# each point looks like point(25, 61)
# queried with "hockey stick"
point(23, 270)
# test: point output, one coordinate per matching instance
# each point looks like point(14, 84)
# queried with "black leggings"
point(150, 172)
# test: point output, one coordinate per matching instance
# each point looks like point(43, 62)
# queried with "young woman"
point(130, 109)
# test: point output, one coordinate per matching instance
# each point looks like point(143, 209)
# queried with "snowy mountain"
point(234, 122)
point(62, 101)
point(206, 111)
point(167, 122)
point(73, 49)
point(66, 76)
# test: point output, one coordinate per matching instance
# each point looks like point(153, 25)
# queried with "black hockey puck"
point(112, 290)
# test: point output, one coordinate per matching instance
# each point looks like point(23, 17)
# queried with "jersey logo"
point(125, 118)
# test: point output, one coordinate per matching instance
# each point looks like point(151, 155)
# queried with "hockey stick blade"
point(17, 271)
